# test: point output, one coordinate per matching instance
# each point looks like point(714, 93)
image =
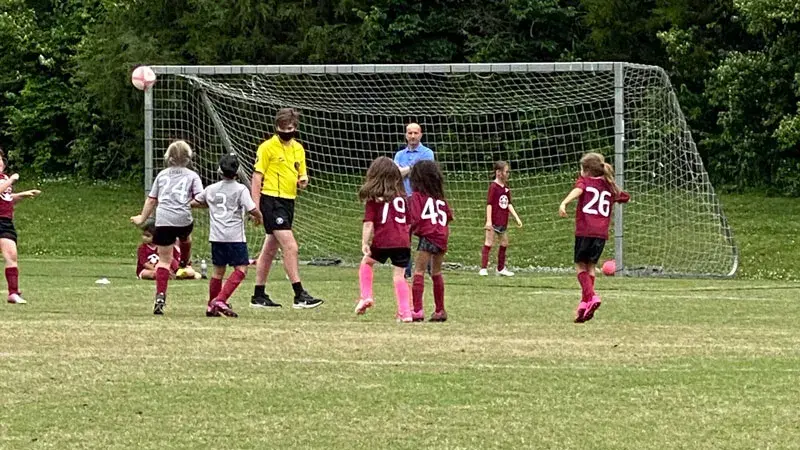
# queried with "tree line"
point(67, 105)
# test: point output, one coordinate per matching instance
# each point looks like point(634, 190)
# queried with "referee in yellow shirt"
point(279, 170)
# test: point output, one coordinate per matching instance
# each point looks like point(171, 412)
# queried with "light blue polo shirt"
point(407, 158)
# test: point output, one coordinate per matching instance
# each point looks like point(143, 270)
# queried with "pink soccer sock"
point(214, 286)
point(230, 285)
point(402, 294)
point(485, 256)
point(365, 281)
point(438, 291)
point(586, 286)
point(417, 290)
point(501, 258)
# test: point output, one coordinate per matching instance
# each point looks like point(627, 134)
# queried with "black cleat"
point(306, 301)
point(263, 302)
point(159, 304)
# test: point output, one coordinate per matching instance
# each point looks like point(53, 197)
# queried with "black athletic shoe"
point(263, 302)
point(159, 304)
point(306, 301)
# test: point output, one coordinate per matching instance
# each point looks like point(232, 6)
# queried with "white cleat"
point(483, 272)
point(16, 299)
point(505, 273)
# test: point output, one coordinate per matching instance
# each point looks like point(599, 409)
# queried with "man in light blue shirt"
point(409, 156)
point(413, 152)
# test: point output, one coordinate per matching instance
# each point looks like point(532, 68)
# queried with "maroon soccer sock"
point(501, 258)
point(214, 288)
point(230, 285)
point(485, 256)
point(417, 290)
point(438, 292)
point(586, 286)
point(186, 252)
point(162, 278)
point(12, 277)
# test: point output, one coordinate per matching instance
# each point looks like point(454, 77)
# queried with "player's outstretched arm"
point(19, 196)
point(147, 210)
point(514, 213)
point(573, 194)
point(196, 204)
point(366, 237)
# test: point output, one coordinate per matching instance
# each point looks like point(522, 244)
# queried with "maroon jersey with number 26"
point(594, 207)
point(430, 218)
point(390, 222)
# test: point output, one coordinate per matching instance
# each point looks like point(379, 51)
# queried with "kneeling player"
point(147, 258)
point(227, 202)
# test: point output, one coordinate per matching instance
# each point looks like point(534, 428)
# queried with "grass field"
point(697, 364)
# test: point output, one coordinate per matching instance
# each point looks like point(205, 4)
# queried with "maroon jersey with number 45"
point(430, 218)
point(593, 215)
point(390, 223)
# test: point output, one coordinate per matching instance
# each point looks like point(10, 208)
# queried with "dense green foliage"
point(67, 106)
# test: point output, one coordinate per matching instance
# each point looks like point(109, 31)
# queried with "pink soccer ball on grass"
point(610, 268)
point(143, 77)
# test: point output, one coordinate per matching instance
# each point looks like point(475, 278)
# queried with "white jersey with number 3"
point(175, 188)
point(227, 202)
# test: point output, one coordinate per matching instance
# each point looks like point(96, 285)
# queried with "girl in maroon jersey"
point(430, 219)
point(8, 234)
point(498, 207)
point(596, 191)
point(385, 234)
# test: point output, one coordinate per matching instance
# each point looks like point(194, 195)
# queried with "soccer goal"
point(541, 117)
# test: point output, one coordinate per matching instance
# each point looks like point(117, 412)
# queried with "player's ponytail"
point(608, 174)
point(179, 153)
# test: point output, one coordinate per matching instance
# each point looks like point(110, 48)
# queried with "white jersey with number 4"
point(228, 201)
point(175, 187)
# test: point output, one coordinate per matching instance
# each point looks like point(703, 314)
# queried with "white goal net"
point(539, 117)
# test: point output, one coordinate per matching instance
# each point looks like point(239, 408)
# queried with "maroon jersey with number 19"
point(499, 197)
point(389, 220)
point(6, 202)
point(593, 215)
point(430, 218)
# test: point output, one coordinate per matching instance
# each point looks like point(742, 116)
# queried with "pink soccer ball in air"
point(610, 268)
point(143, 77)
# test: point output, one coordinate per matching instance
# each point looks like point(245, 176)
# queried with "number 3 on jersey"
point(399, 205)
point(433, 212)
point(599, 198)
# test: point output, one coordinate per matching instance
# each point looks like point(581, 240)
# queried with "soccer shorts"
point(500, 229)
point(232, 254)
point(278, 213)
point(588, 249)
point(166, 235)
point(7, 230)
point(400, 257)
point(428, 246)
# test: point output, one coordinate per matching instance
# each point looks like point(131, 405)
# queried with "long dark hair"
point(426, 178)
point(383, 181)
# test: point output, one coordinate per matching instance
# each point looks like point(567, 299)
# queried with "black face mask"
point(286, 136)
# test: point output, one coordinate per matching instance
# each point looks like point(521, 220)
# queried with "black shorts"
point(428, 246)
point(400, 256)
point(7, 230)
point(588, 249)
point(232, 254)
point(278, 213)
point(500, 229)
point(166, 235)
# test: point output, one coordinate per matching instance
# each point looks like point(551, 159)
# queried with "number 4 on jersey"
point(433, 211)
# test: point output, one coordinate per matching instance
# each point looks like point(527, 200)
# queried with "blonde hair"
point(179, 154)
point(595, 165)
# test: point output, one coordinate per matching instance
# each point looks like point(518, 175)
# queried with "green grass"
point(666, 364)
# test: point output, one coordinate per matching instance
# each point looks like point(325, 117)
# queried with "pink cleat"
point(593, 305)
point(404, 319)
point(580, 313)
point(364, 305)
point(418, 316)
point(223, 308)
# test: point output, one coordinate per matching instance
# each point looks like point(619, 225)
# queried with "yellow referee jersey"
point(283, 165)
